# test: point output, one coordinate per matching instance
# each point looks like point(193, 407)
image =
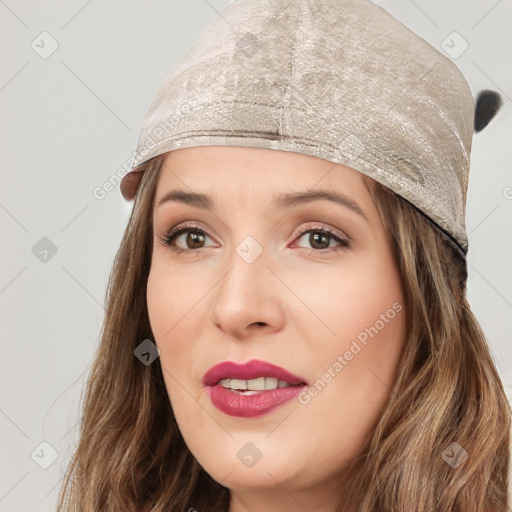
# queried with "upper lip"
point(247, 371)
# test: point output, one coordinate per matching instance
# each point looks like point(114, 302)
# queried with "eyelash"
point(174, 233)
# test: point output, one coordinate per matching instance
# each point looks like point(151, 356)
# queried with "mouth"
point(251, 389)
point(253, 386)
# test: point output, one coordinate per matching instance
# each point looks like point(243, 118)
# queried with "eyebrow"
point(288, 200)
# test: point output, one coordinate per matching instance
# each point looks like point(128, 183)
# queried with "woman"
point(287, 326)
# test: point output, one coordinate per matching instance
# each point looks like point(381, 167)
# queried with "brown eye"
point(320, 238)
point(192, 239)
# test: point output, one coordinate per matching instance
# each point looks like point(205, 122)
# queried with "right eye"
point(192, 235)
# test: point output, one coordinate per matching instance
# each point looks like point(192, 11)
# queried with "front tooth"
point(259, 384)
point(256, 384)
point(238, 384)
point(270, 383)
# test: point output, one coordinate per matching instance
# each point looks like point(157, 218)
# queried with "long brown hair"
point(131, 455)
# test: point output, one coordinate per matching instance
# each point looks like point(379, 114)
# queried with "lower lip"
point(247, 406)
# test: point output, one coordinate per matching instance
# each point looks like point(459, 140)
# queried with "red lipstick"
point(250, 389)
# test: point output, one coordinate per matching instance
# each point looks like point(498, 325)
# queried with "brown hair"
point(131, 455)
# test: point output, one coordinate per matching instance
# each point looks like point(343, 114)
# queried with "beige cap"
point(341, 80)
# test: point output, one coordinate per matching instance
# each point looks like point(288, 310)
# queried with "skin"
point(299, 305)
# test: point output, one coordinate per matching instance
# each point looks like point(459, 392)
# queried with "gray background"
point(70, 120)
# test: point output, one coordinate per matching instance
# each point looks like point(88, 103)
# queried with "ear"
point(487, 105)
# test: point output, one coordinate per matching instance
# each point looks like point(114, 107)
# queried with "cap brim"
point(130, 182)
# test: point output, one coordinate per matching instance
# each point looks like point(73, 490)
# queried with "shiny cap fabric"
point(341, 80)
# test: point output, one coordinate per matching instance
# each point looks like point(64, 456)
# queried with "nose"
point(249, 298)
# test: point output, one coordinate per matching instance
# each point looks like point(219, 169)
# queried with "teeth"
point(259, 384)
point(238, 384)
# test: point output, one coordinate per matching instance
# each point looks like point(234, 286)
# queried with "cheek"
point(355, 367)
point(160, 303)
point(177, 308)
point(373, 308)
point(348, 300)
point(171, 298)
point(372, 323)
point(168, 312)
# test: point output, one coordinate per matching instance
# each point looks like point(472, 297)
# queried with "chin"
point(248, 461)
point(263, 475)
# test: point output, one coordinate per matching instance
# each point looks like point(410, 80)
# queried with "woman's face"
point(256, 278)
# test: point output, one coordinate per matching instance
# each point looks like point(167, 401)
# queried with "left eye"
point(318, 237)
point(196, 236)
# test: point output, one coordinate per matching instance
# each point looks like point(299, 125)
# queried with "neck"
point(283, 497)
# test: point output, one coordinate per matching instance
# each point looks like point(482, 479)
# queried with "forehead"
point(226, 178)
point(233, 169)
